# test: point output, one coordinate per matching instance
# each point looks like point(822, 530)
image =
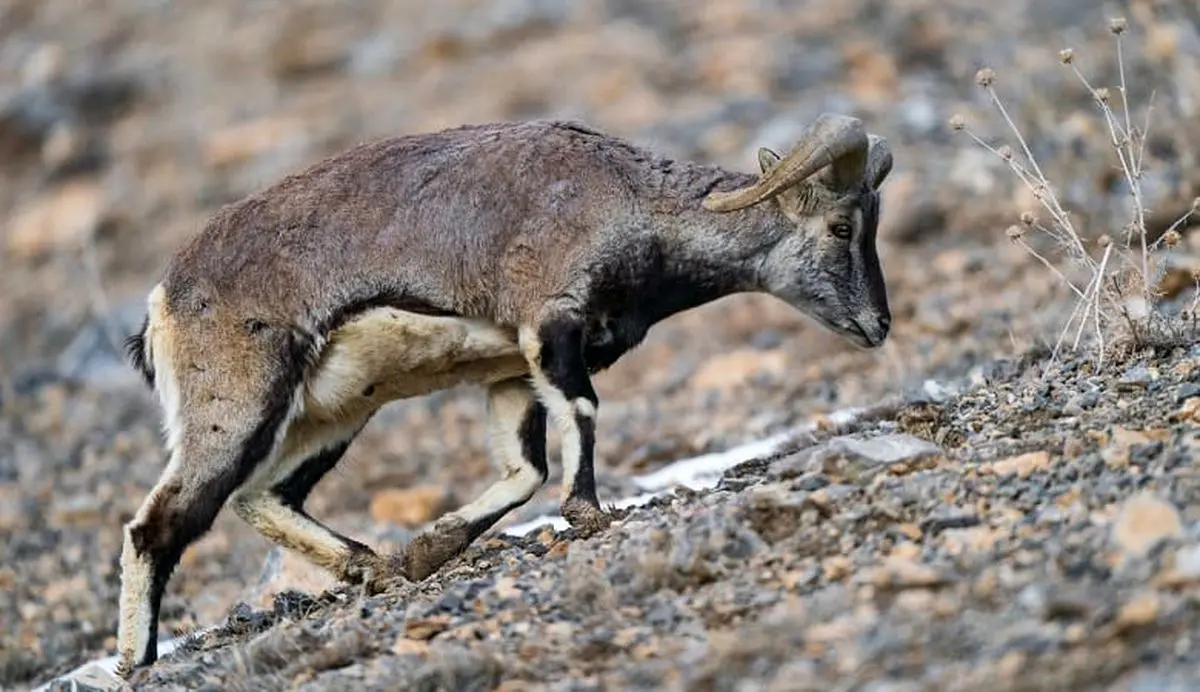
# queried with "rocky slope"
point(997, 555)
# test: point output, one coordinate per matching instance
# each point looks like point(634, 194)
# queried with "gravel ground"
point(1040, 529)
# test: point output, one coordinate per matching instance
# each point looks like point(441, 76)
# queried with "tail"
point(139, 358)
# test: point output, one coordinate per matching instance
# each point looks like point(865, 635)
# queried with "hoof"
point(587, 518)
point(426, 553)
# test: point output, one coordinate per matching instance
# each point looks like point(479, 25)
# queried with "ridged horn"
point(837, 141)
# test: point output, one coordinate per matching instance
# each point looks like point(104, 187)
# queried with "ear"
point(879, 160)
point(767, 159)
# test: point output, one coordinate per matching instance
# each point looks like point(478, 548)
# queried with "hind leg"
point(517, 436)
point(203, 471)
point(276, 510)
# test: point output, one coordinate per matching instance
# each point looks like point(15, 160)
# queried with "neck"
point(706, 255)
point(692, 256)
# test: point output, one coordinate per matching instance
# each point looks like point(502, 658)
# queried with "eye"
point(841, 229)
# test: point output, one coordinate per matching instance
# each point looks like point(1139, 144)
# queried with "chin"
point(859, 339)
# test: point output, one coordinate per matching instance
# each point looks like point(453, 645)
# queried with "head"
point(822, 200)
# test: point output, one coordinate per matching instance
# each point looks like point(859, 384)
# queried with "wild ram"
point(523, 257)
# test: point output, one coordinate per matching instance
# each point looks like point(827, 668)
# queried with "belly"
point(387, 354)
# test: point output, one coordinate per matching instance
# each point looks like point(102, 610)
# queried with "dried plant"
point(1119, 303)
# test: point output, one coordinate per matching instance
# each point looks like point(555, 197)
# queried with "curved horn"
point(879, 160)
point(837, 141)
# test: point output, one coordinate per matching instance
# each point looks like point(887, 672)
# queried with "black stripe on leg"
point(532, 434)
point(584, 485)
point(294, 490)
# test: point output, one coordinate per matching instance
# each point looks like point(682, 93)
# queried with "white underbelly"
point(387, 354)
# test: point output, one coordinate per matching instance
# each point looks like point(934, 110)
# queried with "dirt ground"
point(1034, 526)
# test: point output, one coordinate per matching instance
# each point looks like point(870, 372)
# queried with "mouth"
point(854, 332)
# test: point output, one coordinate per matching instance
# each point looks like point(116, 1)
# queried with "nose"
point(885, 323)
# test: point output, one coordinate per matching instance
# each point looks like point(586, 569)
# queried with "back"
point(445, 223)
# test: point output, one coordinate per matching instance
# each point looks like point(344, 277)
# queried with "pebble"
point(1022, 466)
point(410, 507)
point(1143, 521)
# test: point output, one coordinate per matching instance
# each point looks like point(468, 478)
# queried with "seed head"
point(985, 77)
point(1117, 25)
point(1171, 238)
point(1102, 95)
point(1005, 152)
point(1066, 56)
point(1196, 275)
point(1014, 232)
point(957, 123)
point(1196, 206)
point(1028, 218)
point(1104, 241)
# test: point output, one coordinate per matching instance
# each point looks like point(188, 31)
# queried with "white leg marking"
point(509, 403)
point(560, 410)
point(294, 530)
point(135, 627)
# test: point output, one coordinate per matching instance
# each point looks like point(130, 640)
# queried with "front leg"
point(560, 377)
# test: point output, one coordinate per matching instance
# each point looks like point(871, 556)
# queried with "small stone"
point(836, 568)
point(241, 142)
point(506, 587)
point(405, 646)
point(12, 514)
point(426, 628)
point(898, 572)
point(910, 531)
point(1137, 377)
point(65, 590)
point(1118, 450)
point(738, 368)
point(1183, 570)
point(1187, 390)
point(975, 539)
point(1022, 465)
point(1073, 447)
point(1189, 411)
point(857, 459)
point(558, 550)
point(75, 511)
point(410, 507)
point(62, 219)
point(1143, 521)
point(1142, 609)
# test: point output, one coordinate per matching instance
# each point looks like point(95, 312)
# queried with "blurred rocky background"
point(124, 124)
